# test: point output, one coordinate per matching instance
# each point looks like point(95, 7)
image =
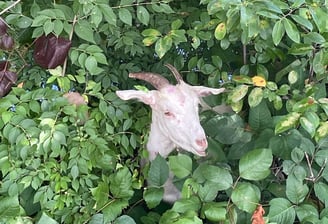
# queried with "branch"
point(9, 7)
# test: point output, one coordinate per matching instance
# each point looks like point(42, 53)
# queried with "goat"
point(175, 119)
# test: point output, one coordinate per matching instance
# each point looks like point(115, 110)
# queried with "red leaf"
point(51, 51)
point(3, 27)
point(7, 78)
point(7, 42)
point(4, 65)
point(257, 217)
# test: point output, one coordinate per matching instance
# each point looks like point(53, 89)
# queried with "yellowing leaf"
point(220, 31)
point(259, 81)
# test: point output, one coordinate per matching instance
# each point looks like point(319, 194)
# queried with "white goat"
point(175, 119)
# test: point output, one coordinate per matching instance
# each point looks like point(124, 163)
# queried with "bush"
point(67, 163)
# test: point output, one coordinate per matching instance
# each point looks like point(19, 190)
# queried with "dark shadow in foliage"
point(51, 51)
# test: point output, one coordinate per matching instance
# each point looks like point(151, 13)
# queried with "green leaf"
point(255, 97)
point(278, 32)
point(153, 196)
point(178, 36)
point(163, 45)
point(125, 16)
point(246, 196)
point(114, 209)
point(181, 165)
point(291, 30)
point(242, 79)
point(238, 93)
point(302, 21)
point(321, 192)
point(187, 204)
point(9, 207)
point(143, 15)
point(307, 213)
point(287, 122)
point(322, 131)
point(208, 191)
point(108, 13)
point(310, 121)
point(296, 191)
point(220, 31)
point(158, 172)
point(214, 211)
point(48, 27)
point(176, 24)
point(83, 30)
point(151, 33)
point(96, 16)
point(260, 117)
point(45, 219)
point(121, 183)
point(124, 219)
point(319, 16)
point(221, 177)
point(100, 194)
point(74, 171)
point(281, 211)
point(255, 165)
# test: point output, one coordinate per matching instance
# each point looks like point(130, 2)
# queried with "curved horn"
point(154, 79)
point(175, 73)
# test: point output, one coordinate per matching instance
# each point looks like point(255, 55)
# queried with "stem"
point(70, 38)
point(244, 54)
point(9, 7)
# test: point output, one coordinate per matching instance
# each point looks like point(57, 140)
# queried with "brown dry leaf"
point(257, 217)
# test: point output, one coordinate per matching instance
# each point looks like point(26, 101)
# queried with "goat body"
point(175, 119)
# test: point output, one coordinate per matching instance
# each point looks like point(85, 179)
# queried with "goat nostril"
point(201, 142)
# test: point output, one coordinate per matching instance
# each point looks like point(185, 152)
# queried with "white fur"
point(175, 122)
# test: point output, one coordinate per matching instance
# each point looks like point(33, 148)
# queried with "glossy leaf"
point(246, 196)
point(278, 32)
point(84, 30)
point(255, 165)
point(158, 172)
point(125, 16)
point(255, 97)
point(281, 211)
point(215, 212)
point(163, 45)
point(50, 51)
point(153, 196)
point(287, 122)
point(180, 165)
point(296, 191)
point(310, 121)
point(143, 15)
point(220, 31)
point(291, 30)
point(238, 93)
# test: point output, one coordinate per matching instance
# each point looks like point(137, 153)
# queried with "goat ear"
point(145, 97)
point(202, 91)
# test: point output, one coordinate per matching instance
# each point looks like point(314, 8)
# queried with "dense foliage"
point(62, 163)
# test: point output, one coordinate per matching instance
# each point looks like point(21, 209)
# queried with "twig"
point(312, 178)
point(244, 54)
point(70, 38)
point(9, 7)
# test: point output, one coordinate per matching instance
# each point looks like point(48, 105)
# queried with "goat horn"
point(154, 79)
point(175, 72)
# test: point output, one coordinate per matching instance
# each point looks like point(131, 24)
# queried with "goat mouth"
point(200, 152)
